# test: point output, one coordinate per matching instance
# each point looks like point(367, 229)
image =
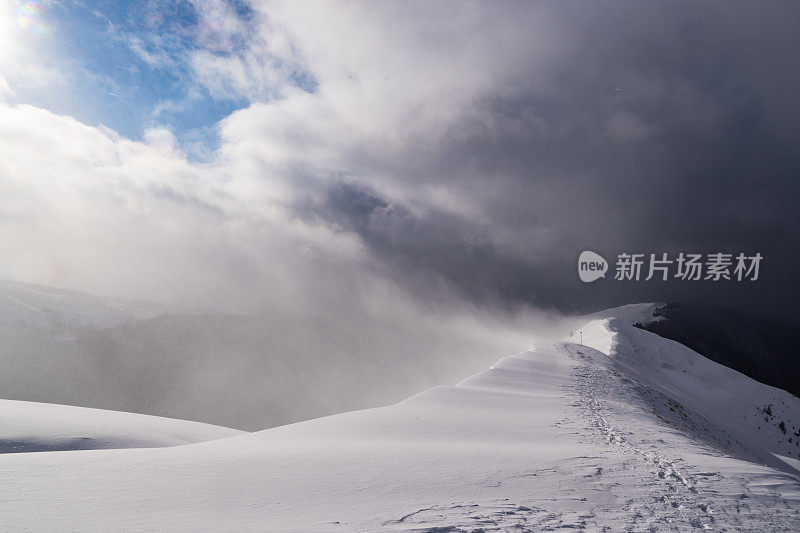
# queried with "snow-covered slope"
point(36, 427)
point(563, 436)
point(731, 411)
point(763, 348)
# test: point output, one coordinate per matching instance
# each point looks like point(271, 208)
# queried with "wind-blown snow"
point(36, 427)
point(564, 436)
point(628, 314)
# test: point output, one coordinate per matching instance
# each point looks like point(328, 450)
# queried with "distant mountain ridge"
point(63, 311)
point(766, 350)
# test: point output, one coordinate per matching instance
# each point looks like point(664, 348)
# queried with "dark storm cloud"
point(424, 250)
point(661, 127)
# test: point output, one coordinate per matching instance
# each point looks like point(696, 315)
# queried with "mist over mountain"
point(244, 371)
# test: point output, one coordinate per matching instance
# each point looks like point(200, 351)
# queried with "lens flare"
point(32, 16)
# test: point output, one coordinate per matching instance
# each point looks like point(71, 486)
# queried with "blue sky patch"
point(128, 67)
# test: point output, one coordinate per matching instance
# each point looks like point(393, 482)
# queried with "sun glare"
point(32, 17)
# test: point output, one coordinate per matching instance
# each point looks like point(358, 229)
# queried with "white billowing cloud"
point(161, 138)
point(90, 209)
point(414, 64)
point(391, 82)
point(240, 58)
point(83, 207)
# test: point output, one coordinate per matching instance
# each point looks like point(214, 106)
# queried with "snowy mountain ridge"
point(37, 307)
point(733, 412)
point(609, 436)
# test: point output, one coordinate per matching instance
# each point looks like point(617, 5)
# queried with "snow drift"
point(37, 427)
